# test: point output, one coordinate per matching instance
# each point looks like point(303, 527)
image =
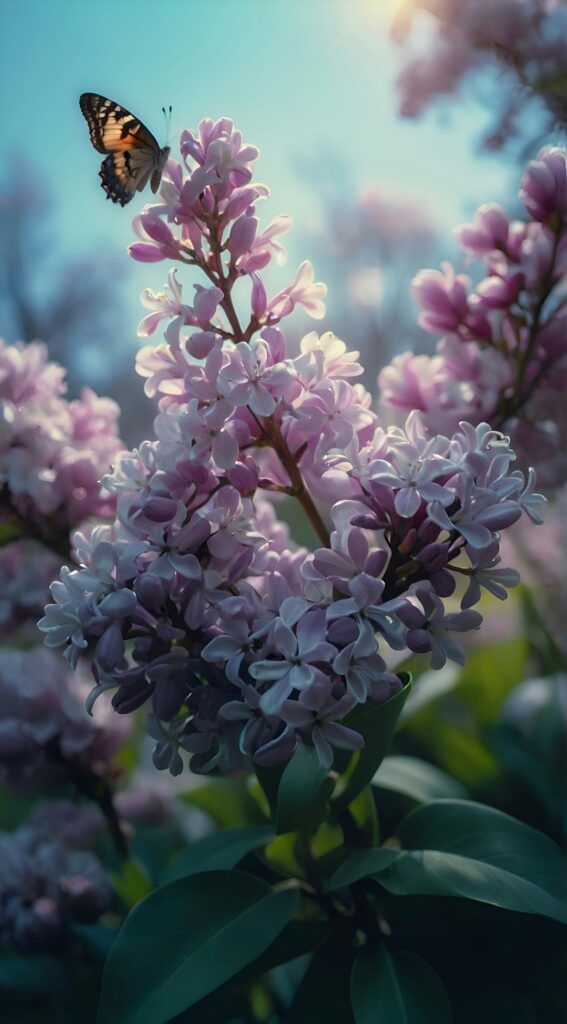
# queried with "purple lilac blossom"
point(53, 452)
point(195, 603)
point(49, 880)
point(43, 720)
point(26, 570)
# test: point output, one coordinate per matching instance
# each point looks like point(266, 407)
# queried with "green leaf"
point(269, 780)
point(297, 939)
point(365, 817)
point(460, 848)
point(450, 713)
point(132, 883)
point(303, 792)
point(185, 940)
point(10, 530)
point(220, 850)
point(37, 975)
point(323, 995)
point(541, 642)
point(490, 673)
point(376, 723)
point(439, 723)
point(418, 779)
point(360, 863)
point(281, 855)
point(396, 989)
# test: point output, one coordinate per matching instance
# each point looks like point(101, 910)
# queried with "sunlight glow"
point(380, 12)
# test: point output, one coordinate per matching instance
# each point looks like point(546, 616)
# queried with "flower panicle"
point(195, 603)
point(502, 351)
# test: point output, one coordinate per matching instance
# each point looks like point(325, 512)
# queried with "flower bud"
point(242, 235)
point(543, 189)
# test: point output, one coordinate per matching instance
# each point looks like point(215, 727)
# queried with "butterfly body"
point(134, 155)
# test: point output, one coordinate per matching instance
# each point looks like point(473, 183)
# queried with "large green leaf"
point(185, 940)
point(361, 863)
point(418, 779)
point(396, 989)
point(303, 792)
point(298, 939)
point(221, 850)
point(376, 723)
point(460, 848)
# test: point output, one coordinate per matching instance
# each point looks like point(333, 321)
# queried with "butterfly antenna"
point(167, 115)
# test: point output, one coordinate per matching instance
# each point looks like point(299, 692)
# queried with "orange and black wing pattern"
point(134, 155)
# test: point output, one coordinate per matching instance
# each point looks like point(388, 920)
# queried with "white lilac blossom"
point(502, 355)
point(195, 603)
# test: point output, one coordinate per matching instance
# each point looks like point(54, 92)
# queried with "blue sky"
point(298, 77)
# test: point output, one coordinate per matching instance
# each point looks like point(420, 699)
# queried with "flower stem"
point(93, 787)
point(298, 489)
point(512, 405)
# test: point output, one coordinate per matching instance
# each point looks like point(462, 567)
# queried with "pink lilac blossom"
point(502, 356)
point(520, 41)
point(195, 602)
point(49, 880)
point(53, 452)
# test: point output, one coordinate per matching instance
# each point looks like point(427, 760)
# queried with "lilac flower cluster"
point(49, 880)
point(43, 723)
point(52, 452)
point(522, 39)
point(26, 570)
point(503, 350)
point(195, 601)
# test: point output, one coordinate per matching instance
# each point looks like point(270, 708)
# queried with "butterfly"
point(134, 154)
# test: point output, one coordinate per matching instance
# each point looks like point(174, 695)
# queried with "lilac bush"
point(53, 453)
point(502, 355)
point(195, 602)
point(521, 40)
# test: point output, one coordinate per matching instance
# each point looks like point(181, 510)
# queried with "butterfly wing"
point(134, 155)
